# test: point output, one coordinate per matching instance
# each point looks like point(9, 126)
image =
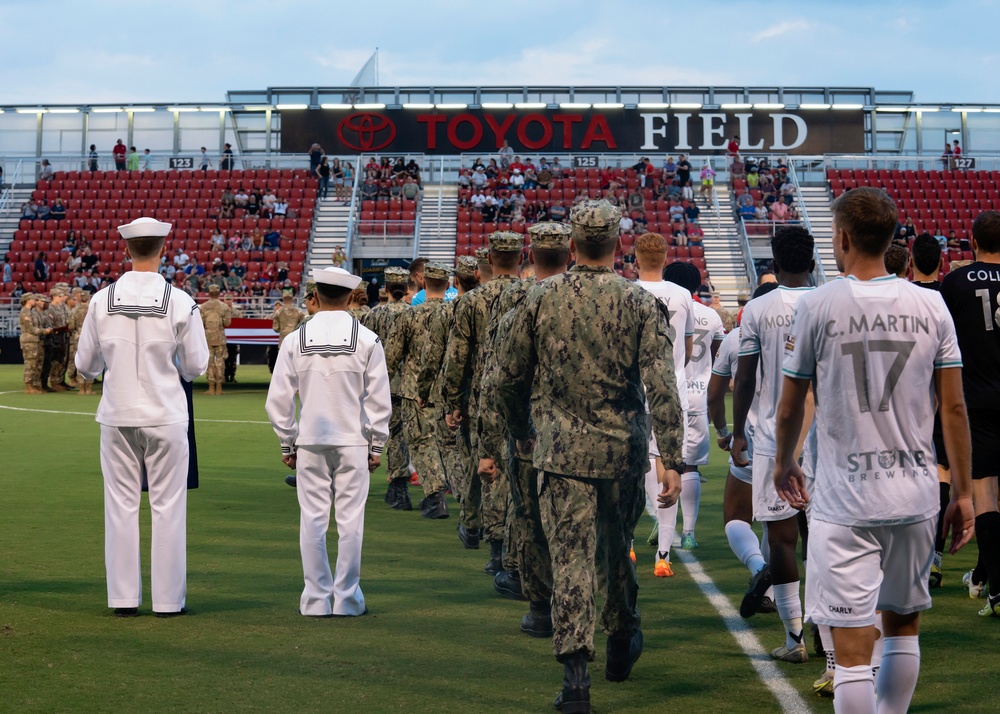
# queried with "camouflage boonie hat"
point(397, 275)
point(437, 271)
point(467, 266)
point(595, 220)
point(506, 242)
point(549, 234)
point(59, 289)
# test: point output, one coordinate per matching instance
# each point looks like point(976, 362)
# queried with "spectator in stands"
point(181, 259)
point(490, 208)
point(692, 213)
point(337, 176)
point(505, 211)
point(788, 192)
point(518, 197)
point(676, 210)
point(204, 162)
point(253, 204)
point(237, 269)
point(385, 169)
point(257, 239)
point(636, 200)
point(395, 192)
point(779, 211)
point(516, 179)
point(640, 168)
point(464, 181)
point(695, 234)
point(70, 244)
point(678, 232)
point(641, 224)
point(413, 170)
point(339, 257)
point(687, 192)
point(478, 200)
point(557, 213)
point(92, 158)
point(793, 215)
point(956, 150)
point(348, 178)
point(683, 170)
point(29, 210)
point(41, 271)
point(556, 168)
point(753, 178)
point(953, 241)
point(760, 211)
point(8, 270)
point(747, 211)
point(58, 211)
point(939, 237)
point(218, 240)
point(267, 202)
point(946, 156)
point(708, 179)
point(733, 149)
point(479, 177)
point(147, 160)
point(233, 282)
point(516, 164)
point(226, 162)
point(410, 189)
point(42, 210)
point(46, 173)
point(18, 290)
point(517, 215)
point(369, 189)
point(88, 259)
point(626, 225)
point(544, 177)
point(322, 173)
point(281, 207)
point(925, 260)
point(316, 153)
point(82, 279)
point(611, 197)
point(737, 170)
point(674, 190)
point(132, 160)
point(241, 198)
point(118, 153)
point(541, 212)
point(505, 154)
point(399, 170)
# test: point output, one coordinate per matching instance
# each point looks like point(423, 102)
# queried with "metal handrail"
point(352, 210)
point(7, 194)
point(748, 263)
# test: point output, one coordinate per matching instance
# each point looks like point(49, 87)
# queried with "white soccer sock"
point(769, 593)
point(744, 544)
point(789, 604)
point(879, 643)
point(765, 544)
point(666, 518)
point(690, 500)
point(826, 637)
point(897, 677)
point(853, 690)
point(410, 468)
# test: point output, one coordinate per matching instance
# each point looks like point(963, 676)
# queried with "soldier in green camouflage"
point(77, 315)
point(580, 349)
point(58, 319)
point(216, 317)
point(527, 571)
point(232, 351)
point(397, 455)
point(33, 329)
point(483, 261)
point(403, 353)
point(286, 319)
point(467, 349)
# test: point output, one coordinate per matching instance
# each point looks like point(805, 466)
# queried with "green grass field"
point(437, 640)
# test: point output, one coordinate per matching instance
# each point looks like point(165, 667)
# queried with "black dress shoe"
point(495, 564)
point(182, 611)
point(291, 480)
point(538, 621)
point(508, 584)
point(469, 537)
point(622, 653)
point(126, 612)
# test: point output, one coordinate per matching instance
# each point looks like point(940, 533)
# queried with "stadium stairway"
point(329, 232)
point(816, 207)
point(10, 222)
point(723, 251)
point(438, 223)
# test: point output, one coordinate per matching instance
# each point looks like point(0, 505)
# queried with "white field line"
point(789, 699)
point(92, 414)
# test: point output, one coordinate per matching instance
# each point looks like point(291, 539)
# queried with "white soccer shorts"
point(766, 504)
point(696, 439)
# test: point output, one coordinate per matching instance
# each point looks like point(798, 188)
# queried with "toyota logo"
point(366, 132)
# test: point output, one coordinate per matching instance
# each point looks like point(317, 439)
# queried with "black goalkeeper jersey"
point(971, 294)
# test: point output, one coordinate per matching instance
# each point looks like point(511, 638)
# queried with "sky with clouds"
point(195, 50)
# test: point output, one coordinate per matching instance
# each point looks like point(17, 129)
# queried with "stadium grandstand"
point(430, 172)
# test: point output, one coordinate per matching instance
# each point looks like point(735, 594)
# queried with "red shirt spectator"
point(956, 149)
point(119, 155)
point(733, 148)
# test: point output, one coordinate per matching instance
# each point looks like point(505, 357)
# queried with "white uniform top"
point(337, 366)
point(765, 324)
point(727, 361)
point(708, 328)
point(872, 348)
point(679, 304)
point(149, 336)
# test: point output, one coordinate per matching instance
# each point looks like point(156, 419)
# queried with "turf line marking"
point(789, 699)
point(92, 414)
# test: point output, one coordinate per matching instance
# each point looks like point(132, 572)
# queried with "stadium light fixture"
point(653, 105)
point(64, 110)
point(736, 105)
point(213, 109)
point(848, 107)
point(967, 109)
point(334, 106)
point(992, 110)
point(892, 109)
point(288, 107)
point(814, 106)
point(140, 109)
point(685, 105)
point(33, 110)
point(362, 107)
point(417, 105)
point(609, 105)
point(769, 106)
point(106, 110)
point(182, 109)
point(575, 105)
point(265, 107)
point(452, 105)
point(530, 105)
point(925, 109)
point(497, 105)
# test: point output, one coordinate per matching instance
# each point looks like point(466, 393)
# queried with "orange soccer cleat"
point(663, 569)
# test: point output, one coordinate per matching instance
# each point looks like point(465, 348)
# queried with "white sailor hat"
point(145, 228)
point(336, 276)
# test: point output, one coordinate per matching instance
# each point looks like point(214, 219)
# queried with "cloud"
point(782, 28)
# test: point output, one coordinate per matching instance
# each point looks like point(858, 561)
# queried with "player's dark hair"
point(986, 231)
point(417, 266)
point(333, 295)
point(869, 217)
point(897, 260)
point(764, 274)
point(550, 258)
point(793, 249)
point(926, 254)
point(764, 289)
point(145, 248)
point(505, 260)
point(681, 274)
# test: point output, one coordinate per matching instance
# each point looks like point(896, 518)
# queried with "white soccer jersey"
point(708, 328)
point(765, 324)
point(871, 348)
point(679, 304)
point(727, 361)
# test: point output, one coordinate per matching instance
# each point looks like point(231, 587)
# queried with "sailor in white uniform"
point(148, 336)
point(337, 366)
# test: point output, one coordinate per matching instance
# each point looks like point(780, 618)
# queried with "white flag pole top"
point(145, 228)
point(336, 276)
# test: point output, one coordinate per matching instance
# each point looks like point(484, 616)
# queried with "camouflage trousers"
point(524, 537)
point(58, 353)
point(397, 455)
point(589, 524)
point(33, 356)
point(496, 493)
point(454, 445)
point(216, 363)
point(418, 429)
point(74, 377)
point(471, 485)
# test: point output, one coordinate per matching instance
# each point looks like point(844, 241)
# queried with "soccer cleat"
point(415, 479)
point(291, 480)
point(767, 607)
point(663, 569)
point(654, 537)
point(935, 576)
point(688, 542)
point(796, 655)
point(992, 608)
point(824, 685)
point(754, 596)
point(976, 590)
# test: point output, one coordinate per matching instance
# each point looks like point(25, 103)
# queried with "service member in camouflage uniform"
point(359, 309)
point(76, 318)
point(581, 347)
point(33, 329)
point(216, 316)
point(397, 455)
point(232, 351)
point(407, 342)
point(58, 320)
point(483, 261)
point(484, 505)
point(527, 570)
point(287, 317)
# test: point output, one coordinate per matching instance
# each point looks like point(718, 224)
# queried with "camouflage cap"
point(25, 297)
point(78, 292)
point(437, 271)
point(42, 297)
point(397, 275)
point(310, 287)
point(213, 289)
point(59, 289)
point(549, 234)
point(595, 220)
point(506, 242)
point(467, 266)
point(482, 255)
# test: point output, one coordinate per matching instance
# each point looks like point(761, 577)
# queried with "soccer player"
point(877, 351)
point(650, 256)
point(763, 329)
point(708, 334)
point(737, 503)
point(148, 336)
point(971, 294)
